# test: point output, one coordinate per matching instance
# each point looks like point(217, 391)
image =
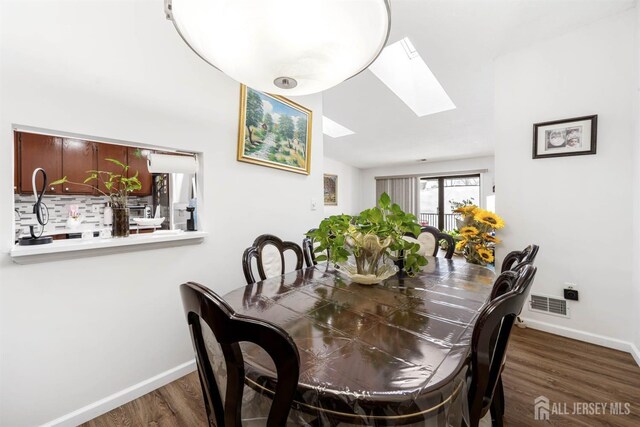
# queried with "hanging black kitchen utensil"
point(41, 212)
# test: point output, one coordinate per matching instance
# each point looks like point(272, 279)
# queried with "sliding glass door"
point(438, 197)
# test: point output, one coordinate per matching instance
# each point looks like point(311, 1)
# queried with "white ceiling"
point(458, 39)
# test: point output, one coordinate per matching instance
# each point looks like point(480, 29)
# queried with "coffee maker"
point(191, 221)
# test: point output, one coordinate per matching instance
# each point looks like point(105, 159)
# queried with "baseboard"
point(635, 352)
point(105, 405)
point(576, 334)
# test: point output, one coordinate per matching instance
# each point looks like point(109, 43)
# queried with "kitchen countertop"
point(82, 228)
point(69, 248)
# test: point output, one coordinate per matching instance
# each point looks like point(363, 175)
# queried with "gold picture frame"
point(270, 133)
point(330, 190)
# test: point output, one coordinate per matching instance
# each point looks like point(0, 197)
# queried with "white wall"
point(636, 195)
point(450, 167)
point(76, 331)
point(348, 187)
point(578, 209)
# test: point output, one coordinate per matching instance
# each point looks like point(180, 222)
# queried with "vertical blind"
point(403, 191)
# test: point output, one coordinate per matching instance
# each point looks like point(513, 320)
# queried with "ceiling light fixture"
point(286, 47)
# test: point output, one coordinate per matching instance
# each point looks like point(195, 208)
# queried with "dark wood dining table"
point(396, 353)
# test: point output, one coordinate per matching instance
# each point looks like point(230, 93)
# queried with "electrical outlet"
point(570, 291)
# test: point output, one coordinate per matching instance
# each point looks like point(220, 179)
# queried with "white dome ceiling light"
point(286, 47)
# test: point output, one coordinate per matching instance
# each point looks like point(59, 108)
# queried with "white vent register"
point(549, 305)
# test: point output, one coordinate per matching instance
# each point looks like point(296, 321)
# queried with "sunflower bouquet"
point(477, 238)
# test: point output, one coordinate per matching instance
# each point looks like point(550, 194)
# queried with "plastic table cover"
point(396, 353)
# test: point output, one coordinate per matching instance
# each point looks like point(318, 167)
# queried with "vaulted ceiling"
point(459, 40)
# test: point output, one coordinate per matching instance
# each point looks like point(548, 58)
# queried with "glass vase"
point(120, 227)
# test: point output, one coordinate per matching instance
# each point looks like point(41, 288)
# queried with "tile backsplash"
point(59, 210)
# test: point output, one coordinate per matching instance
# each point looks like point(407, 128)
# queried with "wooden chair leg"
point(500, 389)
point(497, 405)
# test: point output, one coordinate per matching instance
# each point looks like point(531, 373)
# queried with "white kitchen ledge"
point(75, 248)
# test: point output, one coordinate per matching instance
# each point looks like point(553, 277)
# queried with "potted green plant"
point(366, 245)
point(118, 187)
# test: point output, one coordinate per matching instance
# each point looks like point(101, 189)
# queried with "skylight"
point(333, 129)
point(401, 68)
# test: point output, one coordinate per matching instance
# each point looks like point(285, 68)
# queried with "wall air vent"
point(555, 306)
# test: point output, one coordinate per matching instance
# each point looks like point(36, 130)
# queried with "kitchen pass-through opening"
point(82, 175)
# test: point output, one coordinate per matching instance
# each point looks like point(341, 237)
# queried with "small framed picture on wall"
point(569, 137)
point(330, 190)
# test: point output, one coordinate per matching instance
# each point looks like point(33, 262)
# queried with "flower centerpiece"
point(477, 233)
point(118, 186)
point(366, 245)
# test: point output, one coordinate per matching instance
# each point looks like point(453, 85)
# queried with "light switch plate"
point(314, 204)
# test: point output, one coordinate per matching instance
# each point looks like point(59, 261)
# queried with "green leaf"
point(59, 181)
point(321, 258)
point(375, 215)
point(122, 165)
point(385, 200)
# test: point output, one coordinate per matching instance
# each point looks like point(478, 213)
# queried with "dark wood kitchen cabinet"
point(16, 164)
point(78, 158)
point(74, 158)
point(110, 151)
point(39, 151)
point(138, 163)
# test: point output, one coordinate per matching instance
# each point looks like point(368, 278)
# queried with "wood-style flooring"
point(538, 364)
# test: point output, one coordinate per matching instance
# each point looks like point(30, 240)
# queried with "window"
point(438, 194)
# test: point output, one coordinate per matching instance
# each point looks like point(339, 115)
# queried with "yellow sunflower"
point(488, 218)
point(460, 245)
point(492, 239)
point(469, 231)
point(485, 254)
point(466, 210)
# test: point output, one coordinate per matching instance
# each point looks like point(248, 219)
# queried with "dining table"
point(395, 353)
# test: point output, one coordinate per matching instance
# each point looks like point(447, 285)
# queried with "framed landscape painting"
point(274, 132)
point(330, 190)
point(568, 137)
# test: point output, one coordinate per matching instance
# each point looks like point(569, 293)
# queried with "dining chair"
point(268, 252)
point(429, 241)
point(505, 282)
point(527, 255)
point(308, 250)
point(202, 305)
point(489, 345)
